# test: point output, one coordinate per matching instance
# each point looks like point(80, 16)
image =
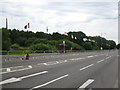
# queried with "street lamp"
point(64, 46)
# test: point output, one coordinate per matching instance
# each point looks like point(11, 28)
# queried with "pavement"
point(70, 71)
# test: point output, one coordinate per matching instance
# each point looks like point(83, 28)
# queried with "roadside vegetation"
point(28, 40)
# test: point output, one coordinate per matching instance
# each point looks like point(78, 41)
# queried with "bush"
point(42, 46)
point(15, 47)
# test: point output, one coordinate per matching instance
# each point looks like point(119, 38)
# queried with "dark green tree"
point(5, 39)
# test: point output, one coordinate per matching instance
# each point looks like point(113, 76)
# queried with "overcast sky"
point(93, 17)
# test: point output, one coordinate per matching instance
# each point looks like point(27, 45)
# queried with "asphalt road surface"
point(72, 71)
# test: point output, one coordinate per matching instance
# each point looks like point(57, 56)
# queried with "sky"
point(92, 17)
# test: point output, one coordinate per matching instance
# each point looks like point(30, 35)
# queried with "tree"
point(41, 46)
point(88, 46)
point(118, 46)
point(5, 39)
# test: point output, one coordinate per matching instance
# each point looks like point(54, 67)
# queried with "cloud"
point(90, 16)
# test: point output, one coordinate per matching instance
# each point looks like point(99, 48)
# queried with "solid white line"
point(88, 82)
point(100, 61)
point(49, 82)
point(87, 67)
point(11, 80)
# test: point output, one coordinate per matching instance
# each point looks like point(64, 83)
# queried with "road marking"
point(50, 82)
point(87, 67)
point(95, 55)
point(29, 66)
point(107, 57)
point(88, 82)
point(57, 62)
point(100, 61)
point(11, 80)
point(15, 70)
point(45, 63)
point(89, 56)
point(8, 70)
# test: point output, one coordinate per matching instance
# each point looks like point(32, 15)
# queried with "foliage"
point(6, 43)
point(44, 41)
point(42, 46)
point(118, 46)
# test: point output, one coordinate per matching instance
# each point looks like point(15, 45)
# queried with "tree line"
point(27, 40)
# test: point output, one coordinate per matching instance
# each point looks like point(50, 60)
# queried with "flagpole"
point(6, 24)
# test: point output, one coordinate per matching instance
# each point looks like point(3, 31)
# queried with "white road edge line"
point(100, 61)
point(87, 67)
point(11, 80)
point(49, 82)
point(88, 82)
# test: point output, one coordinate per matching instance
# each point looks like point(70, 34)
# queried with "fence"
point(36, 52)
point(20, 52)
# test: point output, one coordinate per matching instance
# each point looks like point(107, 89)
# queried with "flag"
point(25, 27)
point(93, 40)
point(75, 37)
point(65, 33)
point(84, 39)
point(28, 25)
point(72, 36)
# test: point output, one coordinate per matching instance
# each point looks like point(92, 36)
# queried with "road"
point(70, 71)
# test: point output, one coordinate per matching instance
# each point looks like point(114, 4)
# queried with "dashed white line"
point(100, 61)
point(88, 82)
point(87, 67)
point(50, 82)
point(45, 63)
point(29, 66)
point(8, 70)
point(89, 56)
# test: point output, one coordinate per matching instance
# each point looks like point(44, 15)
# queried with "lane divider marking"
point(29, 66)
point(11, 80)
point(49, 82)
point(87, 67)
point(88, 82)
point(8, 70)
point(89, 56)
point(100, 61)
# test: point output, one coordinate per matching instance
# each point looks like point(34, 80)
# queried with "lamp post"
point(64, 46)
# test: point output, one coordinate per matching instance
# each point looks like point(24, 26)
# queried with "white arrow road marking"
point(50, 82)
point(88, 82)
point(11, 80)
point(87, 67)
